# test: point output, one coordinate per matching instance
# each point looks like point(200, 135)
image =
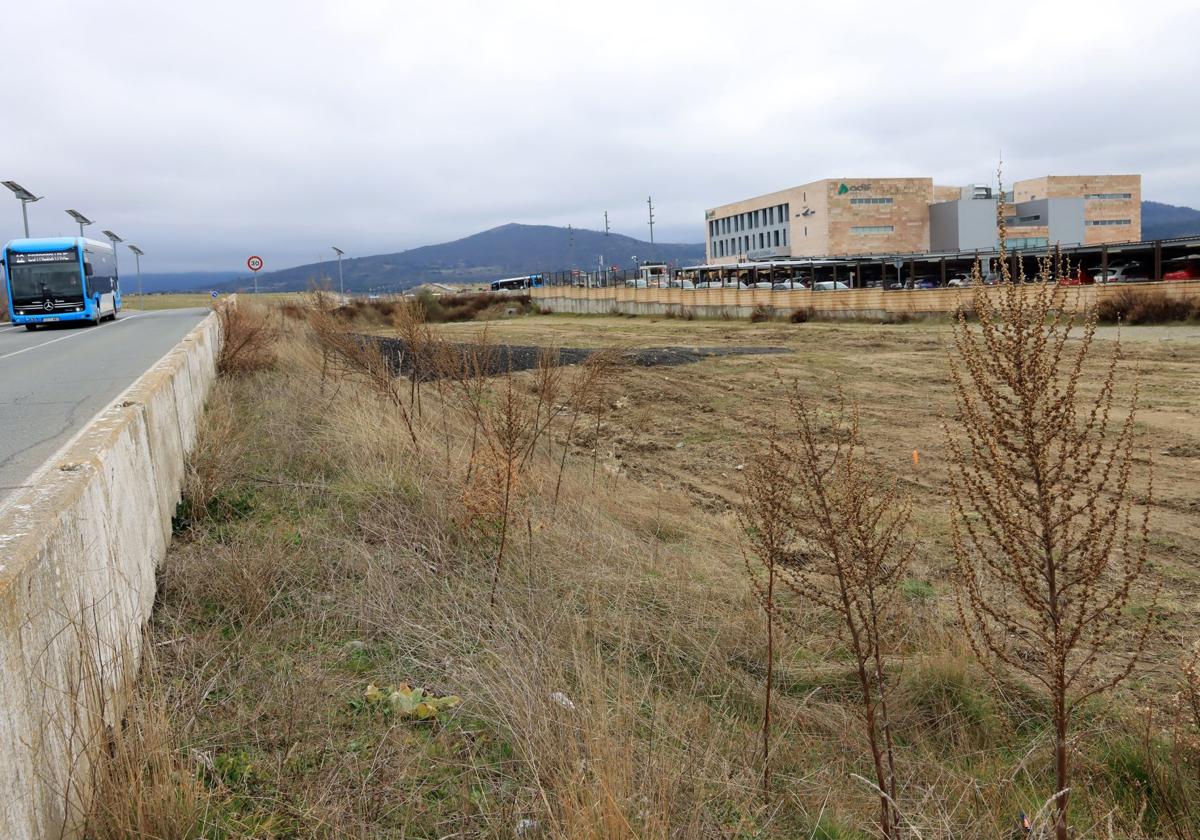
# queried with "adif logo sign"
point(844, 188)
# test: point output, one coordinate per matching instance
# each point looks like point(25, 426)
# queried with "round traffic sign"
point(214, 294)
point(254, 263)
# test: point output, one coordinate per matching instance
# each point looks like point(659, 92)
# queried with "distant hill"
point(506, 251)
point(1163, 221)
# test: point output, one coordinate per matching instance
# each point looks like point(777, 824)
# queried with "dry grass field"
point(338, 541)
point(188, 300)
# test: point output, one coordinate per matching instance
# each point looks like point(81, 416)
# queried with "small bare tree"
point(842, 545)
point(1048, 541)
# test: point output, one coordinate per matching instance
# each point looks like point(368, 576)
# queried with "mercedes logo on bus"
point(48, 305)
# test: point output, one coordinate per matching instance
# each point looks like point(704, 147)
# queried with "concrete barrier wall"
point(78, 556)
point(848, 303)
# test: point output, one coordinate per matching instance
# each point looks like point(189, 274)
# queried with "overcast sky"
point(207, 131)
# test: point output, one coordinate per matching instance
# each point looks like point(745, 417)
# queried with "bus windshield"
point(57, 280)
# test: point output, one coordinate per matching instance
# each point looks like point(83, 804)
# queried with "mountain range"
point(1164, 221)
point(507, 251)
point(515, 249)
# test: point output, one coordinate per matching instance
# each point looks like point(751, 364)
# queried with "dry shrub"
point(800, 316)
point(470, 306)
point(821, 522)
point(1050, 520)
point(762, 312)
point(1144, 306)
point(248, 343)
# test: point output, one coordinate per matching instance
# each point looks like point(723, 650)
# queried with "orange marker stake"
point(916, 458)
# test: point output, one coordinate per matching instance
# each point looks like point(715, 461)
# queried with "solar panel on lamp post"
point(138, 253)
point(26, 198)
point(81, 219)
point(341, 283)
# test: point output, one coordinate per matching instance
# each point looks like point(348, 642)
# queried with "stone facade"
point(1113, 214)
point(852, 216)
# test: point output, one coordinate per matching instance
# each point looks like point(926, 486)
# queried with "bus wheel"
point(31, 327)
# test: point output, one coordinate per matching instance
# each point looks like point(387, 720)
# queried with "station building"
point(837, 217)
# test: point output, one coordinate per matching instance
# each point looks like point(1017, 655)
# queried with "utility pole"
point(605, 223)
point(650, 204)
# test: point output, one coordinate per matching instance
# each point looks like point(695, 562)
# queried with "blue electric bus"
point(510, 284)
point(62, 279)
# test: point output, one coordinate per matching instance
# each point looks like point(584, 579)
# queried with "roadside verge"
point(78, 554)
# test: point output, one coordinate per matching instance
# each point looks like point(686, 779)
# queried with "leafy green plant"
point(407, 702)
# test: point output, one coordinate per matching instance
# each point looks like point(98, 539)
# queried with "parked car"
point(788, 285)
point(1128, 273)
point(1184, 268)
point(636, 283)
point(927, 283)
point(959, 279)
point(761, 284)
point(1079, 277)
point(829, 286)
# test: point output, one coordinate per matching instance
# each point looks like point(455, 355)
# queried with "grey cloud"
point(206, 131)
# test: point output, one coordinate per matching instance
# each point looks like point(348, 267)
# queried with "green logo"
point(843, 189)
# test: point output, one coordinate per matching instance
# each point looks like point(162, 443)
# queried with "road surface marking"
point(64, 338)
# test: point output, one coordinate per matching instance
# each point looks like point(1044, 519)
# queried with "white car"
point(1121, 274)
point(829, 286)
point(959, 280)
point(639, 283)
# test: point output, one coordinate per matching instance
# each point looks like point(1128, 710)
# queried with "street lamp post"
point(341, 283)
point(138, 253)
point(114, 239)
point(26, 198)
point(81, 219)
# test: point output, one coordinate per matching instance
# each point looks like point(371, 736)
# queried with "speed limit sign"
point(254, 263)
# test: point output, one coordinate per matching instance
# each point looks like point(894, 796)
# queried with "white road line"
point(9, 329)
point(65, 337)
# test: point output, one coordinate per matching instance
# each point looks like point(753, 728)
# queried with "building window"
point(1108, 222)
point(770, 215)
point(760, 241)
point(870, 201)
point(785, 236)
point(776, 239)
point(1023, 220)
point(1109, 196)
point(1028, 242)
point(871, 230)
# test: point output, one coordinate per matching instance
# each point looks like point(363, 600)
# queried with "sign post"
point(255, 264)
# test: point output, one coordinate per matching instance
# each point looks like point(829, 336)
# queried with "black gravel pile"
point(517, 357)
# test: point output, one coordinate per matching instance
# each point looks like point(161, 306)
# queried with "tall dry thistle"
point(765, 516)
point(1047, 539)
point(842, 546)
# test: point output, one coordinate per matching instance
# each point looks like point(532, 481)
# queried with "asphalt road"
point(54, 380)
